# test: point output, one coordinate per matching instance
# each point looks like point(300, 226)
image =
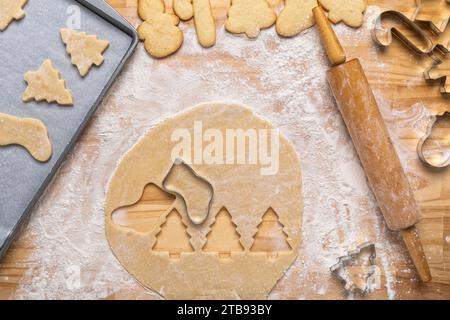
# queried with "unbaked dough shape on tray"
point(261, 214)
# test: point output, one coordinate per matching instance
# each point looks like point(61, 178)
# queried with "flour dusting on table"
point(284, 81)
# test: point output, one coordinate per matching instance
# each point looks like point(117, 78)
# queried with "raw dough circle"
point(265, 212)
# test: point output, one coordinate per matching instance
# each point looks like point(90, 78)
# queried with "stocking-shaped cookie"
point(10, 10)
point(159, 31)
point(351, 12)
point(249, 17)
point(85, 50)
point(296, 17)
point(46, 84)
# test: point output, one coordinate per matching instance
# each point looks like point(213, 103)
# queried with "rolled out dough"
point(248, 241)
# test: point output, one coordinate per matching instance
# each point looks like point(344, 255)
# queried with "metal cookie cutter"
point(424, 45)
point(196, 218)
point(420, 147)
point(347, 261)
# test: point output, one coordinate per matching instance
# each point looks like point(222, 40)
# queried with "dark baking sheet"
point(24, 45)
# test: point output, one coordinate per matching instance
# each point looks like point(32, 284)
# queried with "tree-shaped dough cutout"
point(85, 50)
point(46, 84)
point(270, 237)
point(249, 17)
point(223, 238)
point(173, 237)
point(10, 10)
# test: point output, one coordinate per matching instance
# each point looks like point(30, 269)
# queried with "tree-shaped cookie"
point(249, 17)
point(10, 10)
point(85, 50)
point(296, 17)
point(440, 71)
point(46, 84)
point(270, 237)
point(223, 238)
point(435, 12)
point(159, 30)
point(351, 12)
point(173, 237)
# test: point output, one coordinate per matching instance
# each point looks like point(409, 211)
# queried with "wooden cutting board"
point(402, 86)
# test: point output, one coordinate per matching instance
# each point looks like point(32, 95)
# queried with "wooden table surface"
point(402, 86)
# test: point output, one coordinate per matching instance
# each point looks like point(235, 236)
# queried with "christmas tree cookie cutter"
point(364, 280)
point(195, 192)
point(420, 147)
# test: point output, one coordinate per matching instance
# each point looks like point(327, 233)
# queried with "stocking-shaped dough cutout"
point(223, 239)
point(10, 10)
point(296, 17)
point(144, 215)
point(85, 50)
point(159, 30)
point(31, 134)
point(435, 12)
point(204, 23)
point(195, 191)
point(172, 237)
point(249, 17)
point(351, 12)
point(46, 84)
point(183, 9)
point(271, 237)
point(214, 269)
point(440, 71)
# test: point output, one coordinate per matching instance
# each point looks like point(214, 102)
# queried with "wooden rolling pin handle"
point(412, 241)
point(335, 52)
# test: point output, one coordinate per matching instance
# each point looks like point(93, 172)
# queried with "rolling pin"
point(371, 138)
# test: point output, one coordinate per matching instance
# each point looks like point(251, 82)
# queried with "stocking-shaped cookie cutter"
point(181, 162)
point(421, 144)
point(383, 36)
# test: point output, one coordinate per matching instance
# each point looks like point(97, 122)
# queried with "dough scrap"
point(46, 84)
point(85, 50)
point(249, 17)
point(159, 30)
point(221, 264)
point(204, 23)
point(11, 10)
point(31, 134)
point(183, 9)
point(351, 12)
point(296, 17)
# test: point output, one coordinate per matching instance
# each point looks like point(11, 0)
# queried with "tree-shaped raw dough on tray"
point(223, 238)
point(270, 237)
point(249, 17)
point(46, 84)
point(172, 237)
point(351, 12)
point(85, 50)
point(435, 12)
point(159, 30)
point(10, 10)
point(440, 71)
point(205, 26)
point(296, 17)
point(183, 9)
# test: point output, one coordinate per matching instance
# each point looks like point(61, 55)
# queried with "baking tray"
point(24, 45)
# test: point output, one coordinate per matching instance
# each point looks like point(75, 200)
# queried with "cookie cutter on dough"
point(181, 162)
point(346, 261)
point(383, 36)
point(421, 144)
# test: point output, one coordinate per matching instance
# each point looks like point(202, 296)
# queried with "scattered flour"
point(284, 81)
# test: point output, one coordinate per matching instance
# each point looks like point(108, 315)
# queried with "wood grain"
point(401, 84)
